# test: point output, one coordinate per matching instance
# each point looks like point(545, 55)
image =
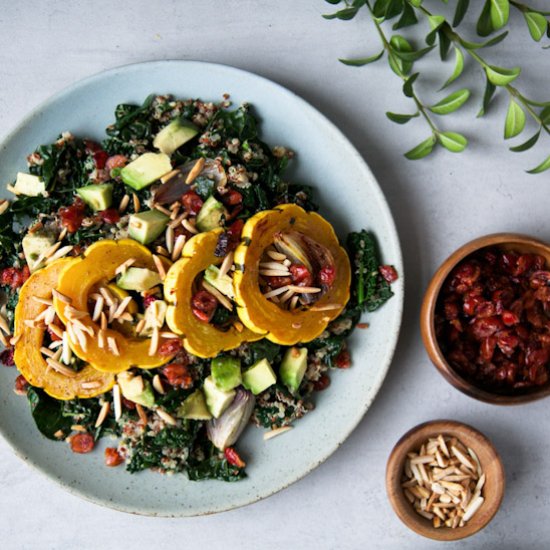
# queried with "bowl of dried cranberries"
point(485, 319)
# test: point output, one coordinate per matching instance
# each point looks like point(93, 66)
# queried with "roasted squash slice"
point(98, 266)
point(262, 315)
point(201, 339)
point(88, 382)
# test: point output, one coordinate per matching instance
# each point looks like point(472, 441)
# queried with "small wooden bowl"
point(506, 241)
point(491, 465)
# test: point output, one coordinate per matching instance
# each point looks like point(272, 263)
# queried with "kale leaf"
point(48, 413)
point(212, 465)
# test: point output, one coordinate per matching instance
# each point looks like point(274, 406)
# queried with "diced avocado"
point(145, 227)
point(224, 283)
point(259, 377)
point(216, 400)
point(226, 372)
point(210, 215)
point(293, 368)
point(35, 244)
point(146, 169)
point(174, 135)
point(136, 389)
point(194, 407)
point(27, 184)
point(138, 279)
point(97, 197)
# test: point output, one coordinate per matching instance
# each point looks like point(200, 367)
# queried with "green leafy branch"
point(401, 56)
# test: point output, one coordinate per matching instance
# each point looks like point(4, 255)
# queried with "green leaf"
point(500, 13)
point(526, 145)
point(347, 13)
point(500, 76)
point(414, 55)
point(436, 21)
point(444, 44)
point(401, 119)
point(399, 44)
point(542, 167)
point(515, 120)
point(460, 12)
point(484, 25)
point(407, 19)
point(408, 85)
point(451, 103)
point(333, 1)
point(453, 142)
point(537, 24)
point(416, 3)
point(487, 96)
point(545, 116)
point(387, 9)
point(459, 67)
point(536, 103)
point(362, 60)
point(422, 149)
point(487, 44)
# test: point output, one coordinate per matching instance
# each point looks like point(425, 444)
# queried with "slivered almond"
point(46, 351)
point(62, 252)
point(159, 266)
point(4, 325)
point(104, 411)
point(112, 345)
point(324, 307)
point(195, 171)
point(161, 208)
point(45, 301)
point(226, 264)
point(169, 175)
point(276, 291)
point(137, 204)
point(154, 344)
point(61, 369)
point(60, 296)
point(177, 221)
point(52, 249)
point(91, 385)
point(4, 205)
point(124, 203)
point(157, 384)
point(170, 239)
point(304, 289)
point(142, 414)
point(189, 226)
point(224, 300)
point(169, 419)
point(274, 272)
point(98, 308)
point(123, 267)
point(275, 432)
point(107, 296)
point(122, 306)
point(117, 402)
point(178, 247)
point(280, 257)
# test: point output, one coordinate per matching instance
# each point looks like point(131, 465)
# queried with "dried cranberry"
point(389, 273)
point(6, 357)
point(301, 276)
point(451, 310)
point(178, 375)
point(233, 457)
point(204, 306)
point(21, 385)
point(148, 300)
point(343, 360)
point(327, 275)
point(72, 216)
point(169, 347)
point(100, 159)
point(234, 233)
point(110, 216)
point(82, 443)
point(192, 203)
point(116, 161)
point(323, 383)
point(481, 328)
point(113, 457)
point(232, 198)
point(130, 405)
point(509, 318)
point(14, 277)
point(278, 282)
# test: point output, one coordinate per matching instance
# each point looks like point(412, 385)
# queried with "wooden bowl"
point(506, 241)
point(491, 465)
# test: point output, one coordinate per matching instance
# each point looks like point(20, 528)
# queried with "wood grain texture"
point(491, 465)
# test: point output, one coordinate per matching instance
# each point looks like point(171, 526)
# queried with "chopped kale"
point(211, 464)
point(263, 349)
point(48, 413)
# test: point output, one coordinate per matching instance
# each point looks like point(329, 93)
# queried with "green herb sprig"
point(401, 56)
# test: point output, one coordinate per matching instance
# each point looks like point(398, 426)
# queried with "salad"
point(168, 286)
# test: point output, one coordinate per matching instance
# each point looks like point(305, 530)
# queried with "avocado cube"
point(216, 400)
point(27, 184)
point(194, 407)
point(145, 227)
point(293, 368)
point(226, 372)
point(136, 389)
point(97, 197)
point(145, 170)
point(174, 135)
point(259, 377)
point(211, 215)
point(138, 279)
point(224, 283)
point(35, 244)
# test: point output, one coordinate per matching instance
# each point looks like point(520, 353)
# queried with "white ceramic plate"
point(350, 198)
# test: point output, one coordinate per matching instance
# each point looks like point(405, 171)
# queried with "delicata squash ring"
point(287, 327)
point(201, 339)
point(88, 382)
point(98, 266)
